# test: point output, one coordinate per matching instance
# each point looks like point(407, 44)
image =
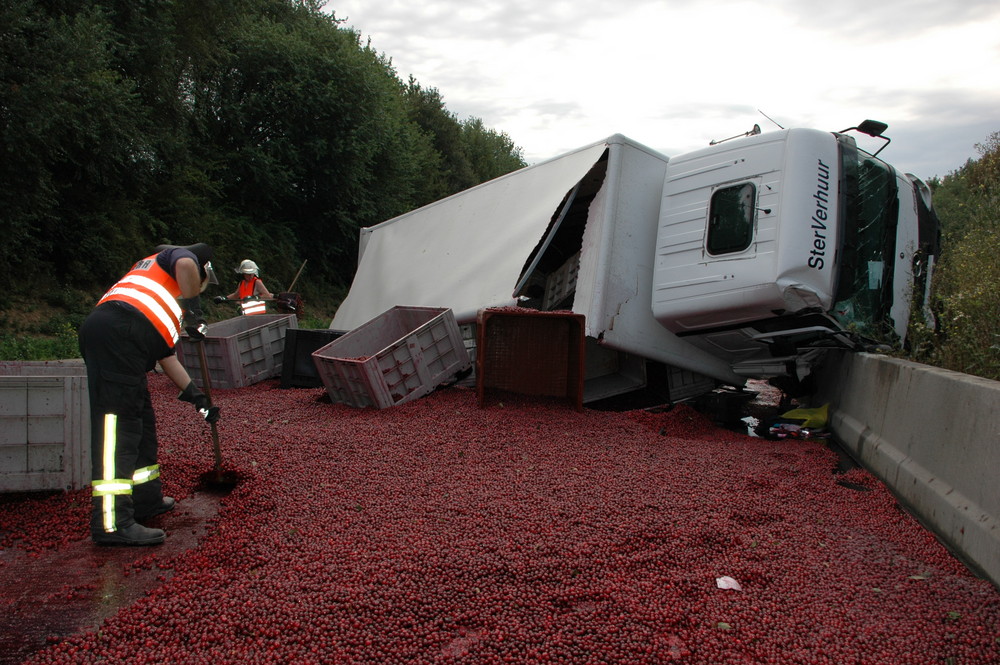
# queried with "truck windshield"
point(870, 208)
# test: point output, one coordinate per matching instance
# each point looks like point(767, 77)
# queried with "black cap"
point(201, 251)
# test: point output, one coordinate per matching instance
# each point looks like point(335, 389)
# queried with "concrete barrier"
point(933, 437)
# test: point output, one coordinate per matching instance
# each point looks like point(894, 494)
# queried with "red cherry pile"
point(523, 532)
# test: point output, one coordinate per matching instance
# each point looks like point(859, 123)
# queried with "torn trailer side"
point(574, 233)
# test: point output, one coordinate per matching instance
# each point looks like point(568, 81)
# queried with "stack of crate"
point(44, 426)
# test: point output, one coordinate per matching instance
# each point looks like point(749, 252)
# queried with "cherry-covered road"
point(521, 532)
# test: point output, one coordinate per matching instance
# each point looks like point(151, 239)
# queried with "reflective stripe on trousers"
point(110, 486)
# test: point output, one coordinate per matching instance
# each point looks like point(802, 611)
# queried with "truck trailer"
point(746, 259)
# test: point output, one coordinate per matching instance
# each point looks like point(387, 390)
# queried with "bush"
point(966, 288)
point(61, 346)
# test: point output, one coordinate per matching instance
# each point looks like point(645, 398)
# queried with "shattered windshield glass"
point(871, 210)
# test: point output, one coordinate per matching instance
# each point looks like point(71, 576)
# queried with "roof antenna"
point(769, 118)
point(753, 132)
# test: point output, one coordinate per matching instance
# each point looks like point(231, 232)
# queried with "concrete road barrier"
point(933, 437)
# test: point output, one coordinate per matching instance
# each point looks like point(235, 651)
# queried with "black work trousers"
point(120, 347)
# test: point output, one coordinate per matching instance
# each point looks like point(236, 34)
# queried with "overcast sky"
point(675, 74)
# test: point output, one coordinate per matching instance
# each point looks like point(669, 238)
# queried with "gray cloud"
point(944, 134)
point(863, 19)
point(934, 133)
point(514, 20)
point(507, 21)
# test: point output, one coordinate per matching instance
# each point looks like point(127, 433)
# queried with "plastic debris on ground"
point(726, 582)
point(814, 418)
point(783, 430)
point(752, 425)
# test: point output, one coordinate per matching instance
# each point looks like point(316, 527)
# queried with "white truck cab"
point(771, 247)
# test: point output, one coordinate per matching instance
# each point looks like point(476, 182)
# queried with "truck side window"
point(730, 219)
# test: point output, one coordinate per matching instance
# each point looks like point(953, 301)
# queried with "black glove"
point(196, 329)
point(201, 404)
point(194, 320)
point(220, 299)
point(211, 414)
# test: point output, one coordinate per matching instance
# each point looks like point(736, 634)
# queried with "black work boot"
point(143, 513)
point(134, 534)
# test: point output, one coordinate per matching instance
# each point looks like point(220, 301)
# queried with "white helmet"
point(248, 267)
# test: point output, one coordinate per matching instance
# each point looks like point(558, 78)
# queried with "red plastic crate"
point(531, 352)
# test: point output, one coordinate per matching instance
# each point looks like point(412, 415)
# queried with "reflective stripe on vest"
point(248, 302)
point(109, 486)
point(151, 290)
point(253, 306)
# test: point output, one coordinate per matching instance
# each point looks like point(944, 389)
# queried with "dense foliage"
point(966, 287)
point(271, 131)
point(263, 127)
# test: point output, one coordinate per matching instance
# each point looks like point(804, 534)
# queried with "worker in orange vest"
point(251, 291)
point(134, 326)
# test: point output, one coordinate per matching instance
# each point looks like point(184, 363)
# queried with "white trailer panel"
point(464, 252)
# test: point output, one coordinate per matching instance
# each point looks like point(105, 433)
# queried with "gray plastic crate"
point(240, 351)
point(44, 426)
point(400, 355)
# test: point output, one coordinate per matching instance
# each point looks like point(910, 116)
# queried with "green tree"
point(967, 277)
point(301, 158)
point(491, 154)
point(263, 127)
point(442, 129)
point(73, 146)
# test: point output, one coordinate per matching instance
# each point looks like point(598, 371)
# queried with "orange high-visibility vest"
point(246, 290)
point(154, 292)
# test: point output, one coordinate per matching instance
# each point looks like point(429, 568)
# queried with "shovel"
point(296, 278)
point(207, 389)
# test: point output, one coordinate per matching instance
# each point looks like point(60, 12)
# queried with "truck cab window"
point(730, 219)
point(868, 251)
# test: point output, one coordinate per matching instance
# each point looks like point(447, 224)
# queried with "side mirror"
point(872, 128)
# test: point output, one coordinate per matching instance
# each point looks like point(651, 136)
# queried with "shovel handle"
point(216, 449)
point(206, 381)
point(296, 278)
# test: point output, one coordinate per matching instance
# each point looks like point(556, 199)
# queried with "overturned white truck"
point(746, 259)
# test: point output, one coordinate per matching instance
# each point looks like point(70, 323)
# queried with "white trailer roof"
point(465, 252)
